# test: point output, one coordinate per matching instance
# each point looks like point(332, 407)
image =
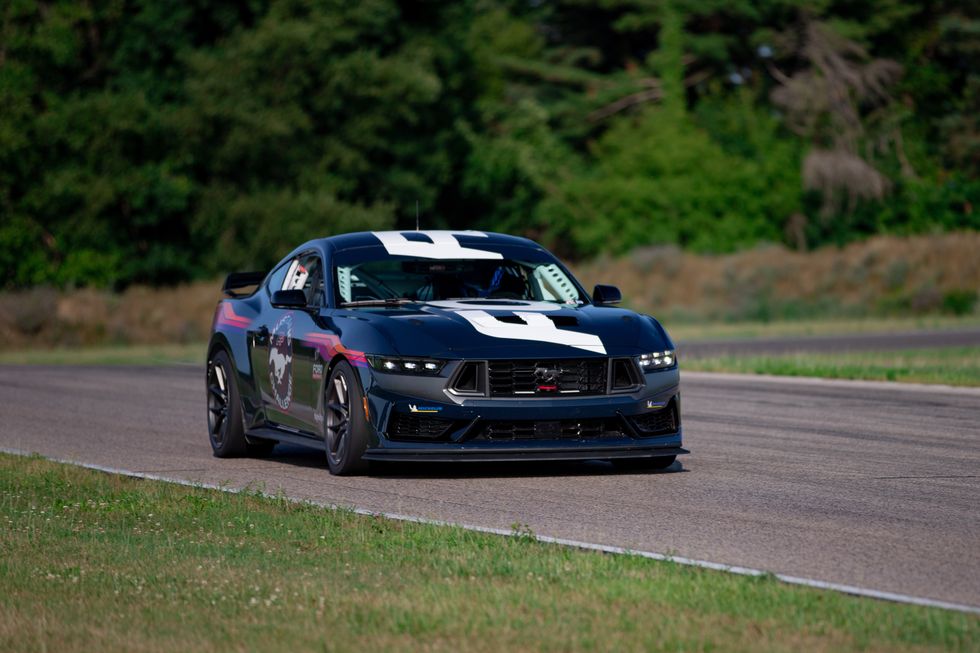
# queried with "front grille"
point(582, 376)
point(660, 422)
point(565, 429)
point(412, 426)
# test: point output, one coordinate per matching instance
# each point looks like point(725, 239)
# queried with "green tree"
point(160, 140)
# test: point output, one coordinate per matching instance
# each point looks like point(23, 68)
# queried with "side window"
point(305, 273)
point(277, 278)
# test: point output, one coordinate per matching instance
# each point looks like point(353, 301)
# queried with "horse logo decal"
point(281, 361)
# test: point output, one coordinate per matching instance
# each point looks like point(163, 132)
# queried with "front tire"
point(226, 430)
point(345, 425)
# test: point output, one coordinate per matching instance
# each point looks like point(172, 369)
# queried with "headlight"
point(399, 365)
point(657, 360)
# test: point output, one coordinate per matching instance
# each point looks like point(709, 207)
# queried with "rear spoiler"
point(237, 280)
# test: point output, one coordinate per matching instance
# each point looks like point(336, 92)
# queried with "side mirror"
point(604, 295)
point(289, 299)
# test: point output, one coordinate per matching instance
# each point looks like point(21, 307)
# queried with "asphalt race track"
point(855, 483)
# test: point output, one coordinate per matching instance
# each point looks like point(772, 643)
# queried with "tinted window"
point(427, 280)
point(276, 278)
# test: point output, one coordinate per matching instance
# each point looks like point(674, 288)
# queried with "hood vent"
point(559, 320)
point(564, 320)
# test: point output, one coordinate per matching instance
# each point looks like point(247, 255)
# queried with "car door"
point(307, 274)
point(283, 357)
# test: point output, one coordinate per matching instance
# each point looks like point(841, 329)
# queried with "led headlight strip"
point(657, 360)
point(399, 365)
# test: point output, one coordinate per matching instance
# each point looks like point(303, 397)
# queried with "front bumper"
point(390, 396)
point(501, 454)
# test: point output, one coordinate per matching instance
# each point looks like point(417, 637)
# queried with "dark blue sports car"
point(438, 346)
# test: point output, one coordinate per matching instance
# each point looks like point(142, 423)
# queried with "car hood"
point(501, 329)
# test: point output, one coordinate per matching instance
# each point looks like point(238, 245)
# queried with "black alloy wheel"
point(218, 402)
point(345, 425)
point(225, 427)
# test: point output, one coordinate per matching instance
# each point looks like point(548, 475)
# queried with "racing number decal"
point(443, 245)
point(537, 327)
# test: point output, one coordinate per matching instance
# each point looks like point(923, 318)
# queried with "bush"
point(27, 313)
point(960, 302)
point(661, 178)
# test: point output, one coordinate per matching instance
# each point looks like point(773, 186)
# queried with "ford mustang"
point(437, 346)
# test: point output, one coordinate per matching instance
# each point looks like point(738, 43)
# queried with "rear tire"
point(226, 430)
point(345, 427)
point(641, 464)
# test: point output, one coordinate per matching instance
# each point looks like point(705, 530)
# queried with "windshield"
point(428, 280)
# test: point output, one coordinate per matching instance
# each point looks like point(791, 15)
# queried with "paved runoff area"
point(863, 484)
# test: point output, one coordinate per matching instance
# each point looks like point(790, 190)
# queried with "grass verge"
point(948, 365)
point(93, 561)
point(693, 332)
point(120, 355)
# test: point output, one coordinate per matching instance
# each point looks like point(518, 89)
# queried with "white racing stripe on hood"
point(538, 329)
point(443, 246)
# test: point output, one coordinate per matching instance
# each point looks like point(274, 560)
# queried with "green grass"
point(97, 562)
point(946, 365)
point(692, 332)
point(117, 355)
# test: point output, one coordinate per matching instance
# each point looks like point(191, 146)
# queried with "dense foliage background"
point(160, 140)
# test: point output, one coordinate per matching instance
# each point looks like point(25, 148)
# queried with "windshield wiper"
point(390, 301)
point(491, 300)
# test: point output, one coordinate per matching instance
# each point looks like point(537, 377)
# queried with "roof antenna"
point(416, 215)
